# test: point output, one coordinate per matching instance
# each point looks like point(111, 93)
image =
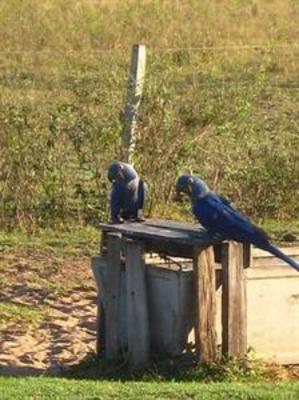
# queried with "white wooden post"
point(112, 339)
point(135, 87)
point(137, 308)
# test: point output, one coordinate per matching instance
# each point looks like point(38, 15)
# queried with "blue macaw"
point(222, 219)
point(128, 193)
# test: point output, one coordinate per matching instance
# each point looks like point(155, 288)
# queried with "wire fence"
point(65, 68)
point(59, 117)
point(115, 78)
point(251, 46)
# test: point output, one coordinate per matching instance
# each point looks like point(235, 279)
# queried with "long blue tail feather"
point(278, 253)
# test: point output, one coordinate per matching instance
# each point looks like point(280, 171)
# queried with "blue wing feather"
point(218, 215)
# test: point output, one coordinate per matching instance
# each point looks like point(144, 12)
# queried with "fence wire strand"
point(253, 46)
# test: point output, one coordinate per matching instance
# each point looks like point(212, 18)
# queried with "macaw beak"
point(121, 175)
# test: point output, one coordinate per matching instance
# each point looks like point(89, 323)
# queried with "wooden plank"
point(170, 248)
point(146, 231)
point(170, 242)
point(233, 301)
point(168, 224)
point(103, 243)
point(247, 258)
point(135, 87)
point(98, 266)
point(138, 325)
point(205, 300)
point(100, 329)
point(112, 300)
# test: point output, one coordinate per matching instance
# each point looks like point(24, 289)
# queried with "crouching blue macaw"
point(222, 219)
point(128, 193)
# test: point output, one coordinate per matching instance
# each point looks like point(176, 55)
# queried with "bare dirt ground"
point(47, 312)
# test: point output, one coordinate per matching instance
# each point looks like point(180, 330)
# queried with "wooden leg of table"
point(103, 243)
point(205, 300)
point(100, 329)
point(137, 308)
point(233, 300)
point(112, 329)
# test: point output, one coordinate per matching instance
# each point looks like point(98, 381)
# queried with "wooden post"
point(233, 300)
point(135, 86)
point(100, 329)
point(247, 256)
point(138, 328)
point(103, 244)
point(112, 340)
point(205, 300)
point(99, 265)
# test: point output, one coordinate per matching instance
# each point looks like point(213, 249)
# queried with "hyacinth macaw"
point(222, 219)
point(128, 193)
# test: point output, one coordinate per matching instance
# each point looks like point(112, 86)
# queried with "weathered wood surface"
point(194, 230)
point(234, 311)
point(97, 265)
point(205, 301)
point(180, 240)
point(197, 231)
point(167, 231)
point(172, 239)
point(167, 224)
point(112, 345)
point(247, 255)
point(137, 308)
point(100, 329)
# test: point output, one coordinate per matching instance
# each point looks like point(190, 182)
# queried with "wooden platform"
point(174, 239)
point(129, 243)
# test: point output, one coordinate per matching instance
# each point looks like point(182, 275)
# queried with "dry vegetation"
point(221, 99)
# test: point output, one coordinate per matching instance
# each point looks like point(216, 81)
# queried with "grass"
point(36, 269)
point(218, 101)
point(47, 388)
point(279, 230)
point(19, 314)
point(47, 260)
point(184, 368)
point(82, 241)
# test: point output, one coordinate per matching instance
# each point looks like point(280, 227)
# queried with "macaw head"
point(192, 186)
point(116, 172)
point(183, 186)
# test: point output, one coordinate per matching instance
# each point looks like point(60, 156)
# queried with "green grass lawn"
point(53, 388)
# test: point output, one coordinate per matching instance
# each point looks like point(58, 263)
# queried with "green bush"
point(226, 112)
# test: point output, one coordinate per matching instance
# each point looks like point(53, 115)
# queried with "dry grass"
point(221, 98)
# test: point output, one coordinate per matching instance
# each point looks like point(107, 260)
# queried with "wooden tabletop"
point(173, 238)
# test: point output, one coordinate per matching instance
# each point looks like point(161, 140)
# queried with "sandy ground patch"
point(66, 299)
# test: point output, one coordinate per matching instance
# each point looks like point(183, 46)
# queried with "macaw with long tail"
point(128, 193)
point(221, 218)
